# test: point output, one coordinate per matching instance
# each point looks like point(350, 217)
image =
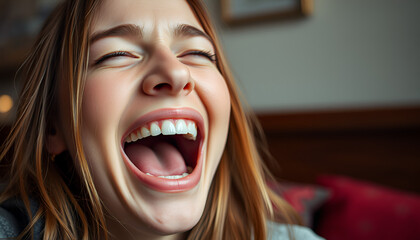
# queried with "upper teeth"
point(166, 127)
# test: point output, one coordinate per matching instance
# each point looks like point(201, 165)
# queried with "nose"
point(167, 75)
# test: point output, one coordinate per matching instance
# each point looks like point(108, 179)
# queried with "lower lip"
point(169, 185)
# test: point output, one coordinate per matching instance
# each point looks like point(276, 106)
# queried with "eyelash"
point(207, 54)
point(114, 54)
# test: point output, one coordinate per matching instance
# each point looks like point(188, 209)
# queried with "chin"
point(168, 225)
point(169, 214)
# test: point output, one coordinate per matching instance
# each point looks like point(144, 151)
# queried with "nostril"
point(162, 86)
point(168, 87)
point(188, 87)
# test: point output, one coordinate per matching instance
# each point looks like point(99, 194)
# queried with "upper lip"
point(167, 113)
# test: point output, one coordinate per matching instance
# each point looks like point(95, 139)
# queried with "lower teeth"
point(172, 176)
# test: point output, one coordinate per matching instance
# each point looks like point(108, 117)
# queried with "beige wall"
point(349, 53)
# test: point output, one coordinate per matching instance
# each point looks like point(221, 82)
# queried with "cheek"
point(103, 101)
point(214, 94)
point(217, 101)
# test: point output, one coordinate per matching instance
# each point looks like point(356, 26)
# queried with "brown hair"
point(239, 205)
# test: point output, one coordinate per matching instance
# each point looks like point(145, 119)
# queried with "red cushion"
point(364, 211)
point(304, 198)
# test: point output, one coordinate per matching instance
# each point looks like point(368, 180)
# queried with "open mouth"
point(167, 149)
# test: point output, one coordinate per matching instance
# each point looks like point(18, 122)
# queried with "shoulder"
point(14, 218)
point(10, 223)
point(277, 231)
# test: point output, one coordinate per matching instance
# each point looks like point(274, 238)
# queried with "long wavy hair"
point(238, 206)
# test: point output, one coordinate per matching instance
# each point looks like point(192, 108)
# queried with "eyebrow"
point(181, 30)
point(118, 31)
point(185, 30)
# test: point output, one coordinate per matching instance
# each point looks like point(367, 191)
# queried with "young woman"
point(130, 127)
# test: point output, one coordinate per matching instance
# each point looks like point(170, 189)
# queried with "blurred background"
point(335, 84)
point(20, 21)
point(345, 54)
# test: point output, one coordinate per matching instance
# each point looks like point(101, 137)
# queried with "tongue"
point(163, 159)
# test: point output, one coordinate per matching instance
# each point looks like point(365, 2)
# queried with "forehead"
point(150, 15)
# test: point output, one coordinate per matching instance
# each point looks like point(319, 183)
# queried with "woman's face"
point(152, 76)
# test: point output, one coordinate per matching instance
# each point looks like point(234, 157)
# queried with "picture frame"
point(236, 12)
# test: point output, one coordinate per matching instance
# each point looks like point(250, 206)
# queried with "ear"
point(55, 141)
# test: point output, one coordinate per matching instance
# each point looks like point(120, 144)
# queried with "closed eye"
point(207, 54)
point(113, 55)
